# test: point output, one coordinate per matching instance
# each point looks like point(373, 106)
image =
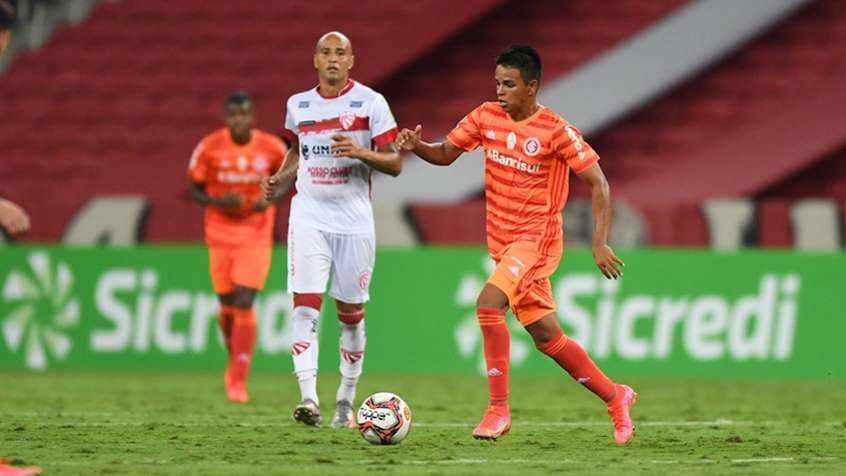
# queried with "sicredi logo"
point(759, 326)
point(42, 310)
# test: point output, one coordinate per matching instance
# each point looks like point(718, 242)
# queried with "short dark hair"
point(524, 58)
point(238, 98)
point(7, 15)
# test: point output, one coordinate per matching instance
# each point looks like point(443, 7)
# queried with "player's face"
point(333, 59)
point(511, 91)
point(240, 119)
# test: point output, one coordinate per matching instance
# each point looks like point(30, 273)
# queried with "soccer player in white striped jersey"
point(342, 131)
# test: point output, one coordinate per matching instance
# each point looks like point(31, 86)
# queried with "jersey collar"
point(344, 90)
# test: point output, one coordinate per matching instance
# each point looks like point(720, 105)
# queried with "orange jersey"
point(527, 166)
point(224, 166)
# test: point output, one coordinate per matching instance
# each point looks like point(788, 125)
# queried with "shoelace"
point(618, 417)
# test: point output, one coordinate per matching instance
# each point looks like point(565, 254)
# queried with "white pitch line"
point(466, 461)
point(763, 460)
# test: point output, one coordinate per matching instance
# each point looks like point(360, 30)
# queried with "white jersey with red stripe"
point(333, 192)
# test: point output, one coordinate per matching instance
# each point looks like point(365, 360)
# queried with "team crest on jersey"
point(531, 146)
point(356, 104)
point(242, 162)
point(303, 105)
point(347, 119)
point(260, 163)
point(364, 279)
point(511, 140)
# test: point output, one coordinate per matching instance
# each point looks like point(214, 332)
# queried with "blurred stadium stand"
point(728, 157)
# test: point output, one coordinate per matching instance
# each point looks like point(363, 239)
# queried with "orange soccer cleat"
point(495, 423)
point(235, 391)
point(6, 469)
point(618, 410)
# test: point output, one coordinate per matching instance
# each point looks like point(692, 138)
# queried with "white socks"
point(352, 342)
point(305, 351)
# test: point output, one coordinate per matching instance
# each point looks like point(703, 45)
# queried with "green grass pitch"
point(179, 423)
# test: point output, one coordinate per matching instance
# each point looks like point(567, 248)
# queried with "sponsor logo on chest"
point(512, 162)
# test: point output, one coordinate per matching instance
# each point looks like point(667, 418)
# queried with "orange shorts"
point(522, 273)
point(244, 266)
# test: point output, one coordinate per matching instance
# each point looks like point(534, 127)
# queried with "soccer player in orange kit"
point(226, 169)
point(529, 152)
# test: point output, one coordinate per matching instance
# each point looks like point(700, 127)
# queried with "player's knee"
point(243, 298)
point(312, 300)
point(350, 313)
point(226, 299)
point(544, 331)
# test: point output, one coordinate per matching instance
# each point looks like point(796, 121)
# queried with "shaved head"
point(334, 34)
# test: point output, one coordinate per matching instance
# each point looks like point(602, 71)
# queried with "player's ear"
point(315, 61)
point(533, 86)
point(352, 61)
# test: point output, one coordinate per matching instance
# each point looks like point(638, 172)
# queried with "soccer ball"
point(383, 419)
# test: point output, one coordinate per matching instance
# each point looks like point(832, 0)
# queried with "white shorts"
point(313, 253)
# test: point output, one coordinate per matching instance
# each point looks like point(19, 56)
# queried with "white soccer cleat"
point(343, 415)
point(308, 413)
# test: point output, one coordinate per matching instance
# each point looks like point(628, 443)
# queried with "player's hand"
point(229, 201)
point(261, 205)
point(344, 146)
point(13, 218)
point(269, 187)
point(607, 261)
point(408, 139)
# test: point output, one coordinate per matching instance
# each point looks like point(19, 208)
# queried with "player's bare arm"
point(385, 159)
point(13, 218)
point(227, 202)
point(606, 260)
point(438, 153)
point(275, 186)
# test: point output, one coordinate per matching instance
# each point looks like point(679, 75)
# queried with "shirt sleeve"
point(467, 134)
point(573, 149)
point(198, 166)
point(382, 123)
point(290, 130)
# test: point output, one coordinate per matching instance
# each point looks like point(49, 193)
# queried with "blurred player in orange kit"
point(7, 20)
point(13, 219)
point(529, 152)
point(226, 168)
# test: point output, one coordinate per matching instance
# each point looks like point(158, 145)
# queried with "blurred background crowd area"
point(719, 122)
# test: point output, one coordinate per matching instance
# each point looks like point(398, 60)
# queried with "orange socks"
point(243, 341)
point(572, 358)
point(497, 349)
point(226, 319)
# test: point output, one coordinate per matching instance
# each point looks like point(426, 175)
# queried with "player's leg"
point(351, 346)
point(490, 310)
point(243, 341)
point(225, 319)
point(249, 271)
point(309, 262)
point(537, 314)
point(352, 268)
point(220, 270)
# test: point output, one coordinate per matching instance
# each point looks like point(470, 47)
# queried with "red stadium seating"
point(116, 104)
point(739, 107)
